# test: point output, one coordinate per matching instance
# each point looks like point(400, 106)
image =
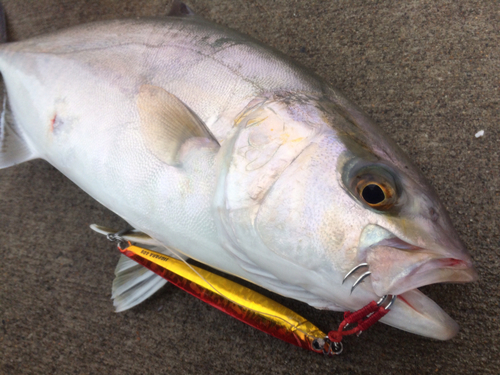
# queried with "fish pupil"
point(373, 194)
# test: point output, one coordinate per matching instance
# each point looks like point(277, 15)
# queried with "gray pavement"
point(427, 71)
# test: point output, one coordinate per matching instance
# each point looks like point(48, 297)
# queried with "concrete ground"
point(426, 71)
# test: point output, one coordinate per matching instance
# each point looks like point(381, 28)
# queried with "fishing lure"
point(251, 307)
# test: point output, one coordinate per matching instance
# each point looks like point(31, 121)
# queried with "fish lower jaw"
point(413, 311)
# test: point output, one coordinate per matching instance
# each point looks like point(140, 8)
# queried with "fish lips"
point(397, 267)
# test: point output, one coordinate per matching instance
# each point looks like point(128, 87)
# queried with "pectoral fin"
point(166, 123)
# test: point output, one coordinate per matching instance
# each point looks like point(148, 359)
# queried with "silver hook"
point(393, 299)
point(360, 280)
point(382, 300)
point(361, 265)
point(391, 302)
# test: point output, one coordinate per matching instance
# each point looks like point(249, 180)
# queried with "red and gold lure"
point(236, 300)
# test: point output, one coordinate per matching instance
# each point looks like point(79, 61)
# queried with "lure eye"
point(376, 192)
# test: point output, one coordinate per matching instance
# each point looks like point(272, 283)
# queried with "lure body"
point(236, 300)
point(224, 151)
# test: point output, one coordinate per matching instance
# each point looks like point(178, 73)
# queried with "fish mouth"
point(398, 267)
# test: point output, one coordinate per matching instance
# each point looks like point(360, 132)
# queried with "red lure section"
point(245, 315)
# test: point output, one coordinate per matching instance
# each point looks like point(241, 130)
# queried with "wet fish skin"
point(237, 201)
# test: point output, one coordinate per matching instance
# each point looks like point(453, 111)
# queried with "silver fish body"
point(226, 152)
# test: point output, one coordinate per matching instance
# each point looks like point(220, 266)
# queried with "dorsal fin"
point(179, 9)
point(166, 123)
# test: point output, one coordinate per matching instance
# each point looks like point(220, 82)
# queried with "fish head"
point(351, 196)
point(409, 240)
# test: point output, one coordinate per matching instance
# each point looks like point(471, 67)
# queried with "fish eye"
point(376, 191)
point(374, 185)
point(373, 194)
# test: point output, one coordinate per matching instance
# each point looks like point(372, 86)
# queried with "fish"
point(217, 148)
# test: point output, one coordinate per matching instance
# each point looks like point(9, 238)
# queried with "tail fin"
point(13, 148)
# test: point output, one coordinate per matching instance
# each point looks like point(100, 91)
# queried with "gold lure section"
point(234, 299)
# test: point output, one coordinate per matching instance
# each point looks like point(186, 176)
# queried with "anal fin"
point(134, 283)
